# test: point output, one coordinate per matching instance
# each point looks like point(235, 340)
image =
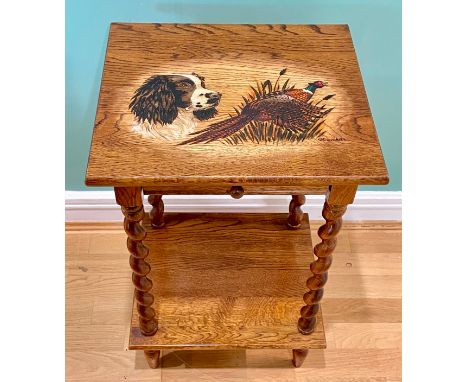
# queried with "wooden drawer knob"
point(237, 192)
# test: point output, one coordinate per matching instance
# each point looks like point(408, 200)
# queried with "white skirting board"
point(94, 206)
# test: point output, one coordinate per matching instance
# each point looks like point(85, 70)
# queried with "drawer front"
point(236, 190)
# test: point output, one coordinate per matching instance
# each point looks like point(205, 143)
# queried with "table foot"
point(299, 355)
point(152, 357)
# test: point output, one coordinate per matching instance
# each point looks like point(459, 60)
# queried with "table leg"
point(299, 355)
point(157, 212)
point(335, 205)
point(295, 212)
point(152, 357)
point(131, 201)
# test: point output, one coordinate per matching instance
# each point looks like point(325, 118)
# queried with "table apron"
point(225, 189)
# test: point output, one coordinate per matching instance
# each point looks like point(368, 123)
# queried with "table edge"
point(99, 181)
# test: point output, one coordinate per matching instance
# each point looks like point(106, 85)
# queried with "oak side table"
point(231, 109)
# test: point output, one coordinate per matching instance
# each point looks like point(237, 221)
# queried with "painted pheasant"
point(289, 109)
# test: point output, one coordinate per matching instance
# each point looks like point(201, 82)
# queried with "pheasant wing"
point(295, 115)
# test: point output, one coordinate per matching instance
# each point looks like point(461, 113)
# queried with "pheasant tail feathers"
point(219, 130)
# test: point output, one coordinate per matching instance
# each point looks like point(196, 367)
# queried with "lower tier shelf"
point(224, 281)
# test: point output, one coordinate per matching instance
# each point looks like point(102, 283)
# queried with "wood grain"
point(231, 58)
point(372, 227)
point(254, 306)
point(128, 196)
point(361, 348)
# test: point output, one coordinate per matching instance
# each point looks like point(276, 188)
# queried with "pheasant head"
point(312, 86)
point(306, 93)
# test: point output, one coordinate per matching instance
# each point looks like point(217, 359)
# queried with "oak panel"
point(232, 58)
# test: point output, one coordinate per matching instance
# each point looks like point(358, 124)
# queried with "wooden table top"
point(275, 105)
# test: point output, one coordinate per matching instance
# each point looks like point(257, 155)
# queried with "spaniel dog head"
point(158, 99)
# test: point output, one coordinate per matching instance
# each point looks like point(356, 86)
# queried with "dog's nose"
point(213, 96)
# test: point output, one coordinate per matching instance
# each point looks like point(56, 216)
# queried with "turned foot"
point(152, 357)
point(299, 355)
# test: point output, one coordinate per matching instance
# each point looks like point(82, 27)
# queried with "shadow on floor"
point(205, 359)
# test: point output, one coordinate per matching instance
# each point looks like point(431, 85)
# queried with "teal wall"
point(375, 26)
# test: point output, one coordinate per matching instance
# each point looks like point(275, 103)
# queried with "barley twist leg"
point(138, 252)
point(295, 212)
point(157, 212)
point(319, 267)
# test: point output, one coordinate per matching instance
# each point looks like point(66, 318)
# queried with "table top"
point(243, 104)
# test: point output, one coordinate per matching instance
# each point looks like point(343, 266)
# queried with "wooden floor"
point(361, 310)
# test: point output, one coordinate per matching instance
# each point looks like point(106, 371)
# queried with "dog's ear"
point(201, 78)
point(197, 75)
point(155, 101)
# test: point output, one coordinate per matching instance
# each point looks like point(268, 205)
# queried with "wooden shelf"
point(224, 281)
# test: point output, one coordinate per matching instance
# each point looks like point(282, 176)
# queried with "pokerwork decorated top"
point(242, 104)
